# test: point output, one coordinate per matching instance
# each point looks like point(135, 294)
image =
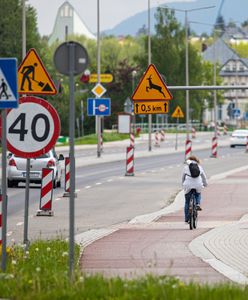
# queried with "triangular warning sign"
point(6, 92)
point(178, 113)
point(33, 77)
point(151, 86)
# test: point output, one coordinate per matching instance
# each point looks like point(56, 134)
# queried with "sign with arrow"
point(145, 107)
point(33, 77)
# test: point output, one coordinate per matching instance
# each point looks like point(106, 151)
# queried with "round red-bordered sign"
point(33, 128)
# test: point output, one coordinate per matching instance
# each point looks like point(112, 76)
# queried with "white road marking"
point(98, 183)
point(109, 180)
point(9, 233)
point(88, 187)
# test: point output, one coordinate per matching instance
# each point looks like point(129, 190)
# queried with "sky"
point(112, 12)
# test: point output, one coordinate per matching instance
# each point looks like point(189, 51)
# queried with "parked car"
point(239, 138)
point(16, 168)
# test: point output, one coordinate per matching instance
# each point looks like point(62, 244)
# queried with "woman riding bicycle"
point(193, 177)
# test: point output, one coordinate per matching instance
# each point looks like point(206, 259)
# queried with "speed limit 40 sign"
point(33, 128)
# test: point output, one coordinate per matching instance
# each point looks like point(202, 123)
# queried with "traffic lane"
point(119, 199)
point(91, 175)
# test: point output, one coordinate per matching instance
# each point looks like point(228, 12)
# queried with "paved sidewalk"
point(161, 243)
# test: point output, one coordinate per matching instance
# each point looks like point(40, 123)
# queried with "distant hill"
point(232, 10)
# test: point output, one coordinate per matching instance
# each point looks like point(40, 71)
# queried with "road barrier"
point(1, 203)
point(46, 194)
point(214, 147)
point(132, 139)
point(246, 144)
point(130, 162)
point(67, 177)
point(162, 134)
point(188, 149)
point(157, 139)
point(193, 131)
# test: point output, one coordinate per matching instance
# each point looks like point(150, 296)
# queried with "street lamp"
point(186, 11)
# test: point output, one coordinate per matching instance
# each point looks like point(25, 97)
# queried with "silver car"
point(16, 168)
point(239, 138)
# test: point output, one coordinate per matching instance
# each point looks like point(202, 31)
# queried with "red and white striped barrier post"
point(225, 130)
point(157, 139)
point(1, 203)
point(162, 134)
point(188, 149)
point(46, 194)
point(67, 177)
point(130, 162)
point(193, 132)
point(132, 139)
point(214, 147)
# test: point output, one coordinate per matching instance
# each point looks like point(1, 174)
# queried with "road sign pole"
point(26, 208)
point(4, 190)
point(177, 134)
point(72, 158)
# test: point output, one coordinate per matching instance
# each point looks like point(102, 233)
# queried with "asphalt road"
point(107, 197)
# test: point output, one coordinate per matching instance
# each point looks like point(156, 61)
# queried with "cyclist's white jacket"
point(193, 183)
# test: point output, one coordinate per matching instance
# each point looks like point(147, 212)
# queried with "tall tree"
point(11, 28)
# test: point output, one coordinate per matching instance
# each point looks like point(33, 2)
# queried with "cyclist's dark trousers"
point(186, 206)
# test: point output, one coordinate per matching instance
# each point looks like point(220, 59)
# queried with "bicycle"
point(193, 213)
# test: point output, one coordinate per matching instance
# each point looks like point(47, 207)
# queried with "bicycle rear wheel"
point(195, 217)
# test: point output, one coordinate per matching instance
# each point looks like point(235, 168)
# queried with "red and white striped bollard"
point(225, 130)
point(67, 177)
point(132, 139)
point(157, 139)
point(162, 134)
point(188, 149)
point(130, 162)
point(46, 194)
point(214, 147)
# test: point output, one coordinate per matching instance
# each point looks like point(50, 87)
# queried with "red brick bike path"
point(161, 247)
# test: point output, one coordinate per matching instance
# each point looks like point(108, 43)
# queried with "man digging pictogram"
point(28, 71)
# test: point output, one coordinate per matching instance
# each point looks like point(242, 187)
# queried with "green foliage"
point(41, 272)
point(11, 29)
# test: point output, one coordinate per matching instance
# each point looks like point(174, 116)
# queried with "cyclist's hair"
point(194, 158)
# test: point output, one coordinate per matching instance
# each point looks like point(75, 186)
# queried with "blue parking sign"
point(8, 83)
point(98, 107)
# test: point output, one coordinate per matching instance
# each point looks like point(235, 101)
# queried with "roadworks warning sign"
point(33, 77)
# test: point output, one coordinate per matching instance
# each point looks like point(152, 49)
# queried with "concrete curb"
point(197, 246)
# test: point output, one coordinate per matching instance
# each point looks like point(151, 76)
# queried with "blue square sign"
point(8, 83)
point(99, 107)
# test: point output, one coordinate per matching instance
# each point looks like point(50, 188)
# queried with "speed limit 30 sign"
point(33, 128)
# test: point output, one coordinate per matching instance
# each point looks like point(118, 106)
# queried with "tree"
point(11, 29)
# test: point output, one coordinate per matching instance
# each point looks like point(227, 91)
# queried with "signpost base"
point(67, 194)
point(45, 213)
